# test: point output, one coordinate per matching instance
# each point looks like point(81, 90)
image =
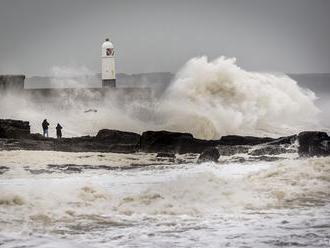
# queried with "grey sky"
point(264, 35)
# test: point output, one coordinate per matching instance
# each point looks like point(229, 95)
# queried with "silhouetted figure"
point(45, 125)
point(59, 131)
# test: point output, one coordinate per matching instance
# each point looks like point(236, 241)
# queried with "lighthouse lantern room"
point(108, 64)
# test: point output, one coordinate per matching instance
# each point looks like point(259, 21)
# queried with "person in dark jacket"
point(59, 131)
point(45, 125)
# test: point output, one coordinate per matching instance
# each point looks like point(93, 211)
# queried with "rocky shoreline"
point(16, 135)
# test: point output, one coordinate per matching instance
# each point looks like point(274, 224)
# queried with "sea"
point(59, 199)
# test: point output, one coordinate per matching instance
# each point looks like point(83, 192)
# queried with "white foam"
point(207, 99)
point(122, 208)
point(214, 98)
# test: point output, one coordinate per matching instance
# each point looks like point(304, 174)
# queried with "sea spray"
point(214, 98)
point(207, 98)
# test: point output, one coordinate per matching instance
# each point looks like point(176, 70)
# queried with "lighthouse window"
point(109, 51)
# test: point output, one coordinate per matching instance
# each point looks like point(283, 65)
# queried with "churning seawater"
point(285, 203)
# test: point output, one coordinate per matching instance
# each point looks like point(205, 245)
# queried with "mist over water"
point(206, 98)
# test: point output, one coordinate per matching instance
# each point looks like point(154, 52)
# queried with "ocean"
point(44, 203)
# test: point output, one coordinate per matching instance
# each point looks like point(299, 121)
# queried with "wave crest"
point(220, 96)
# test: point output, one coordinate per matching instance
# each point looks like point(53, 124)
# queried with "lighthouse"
point(108, 65)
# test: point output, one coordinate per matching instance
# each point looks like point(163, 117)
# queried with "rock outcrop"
point(14, 129)
point(165, 155)
point(313, 143)
point(15, 135)
point(243, 140)
point(210, 154)
point(118, 137)
point(93, 144)
point(173, 142)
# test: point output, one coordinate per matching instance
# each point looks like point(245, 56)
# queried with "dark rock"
point(244, 140)
point(162, 141)
point(37, 136)
point(270, 150)
point(14, 129)
point(3, 169)
point(93, 144)
point(264, 158)
point(118, 137)
point(27, 144)
point(232, 150)
point(67, 168)
point(77, 168)
point(235, 160)
point(195, 145)
point(38, 171)
point(211, 154)
point(173, 142)
point(15, 135)
point(312, 143)
point(76, 144)
point(288, 140)
point(90, 110)
point(165, 155)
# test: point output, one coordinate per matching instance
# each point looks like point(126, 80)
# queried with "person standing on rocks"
point(45, 125)
point(59, 131)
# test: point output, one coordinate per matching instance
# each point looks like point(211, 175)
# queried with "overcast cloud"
point(264, 35)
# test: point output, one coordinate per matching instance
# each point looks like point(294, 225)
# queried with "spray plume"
point(207, 98)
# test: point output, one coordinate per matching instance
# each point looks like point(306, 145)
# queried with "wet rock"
point(75, 144)
point(37, 136)
point(67, 168)
point(27, 144)
point(77, 168)
point(236, 160)
point(162, 141)
point(38, 171)
point(3, 169)
point(15, 135)
point(173, 142)
point(313, 143)
point(288, 140)
point(270, 150)
point(165, 155)
point(264, 158)
point(244, 140)
point(232, 150)
point(90, 111)
point(93, 144)
point(14, 129)
point(118, 137)
point(211, 154)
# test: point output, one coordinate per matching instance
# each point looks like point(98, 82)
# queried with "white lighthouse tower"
point(108, 65)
